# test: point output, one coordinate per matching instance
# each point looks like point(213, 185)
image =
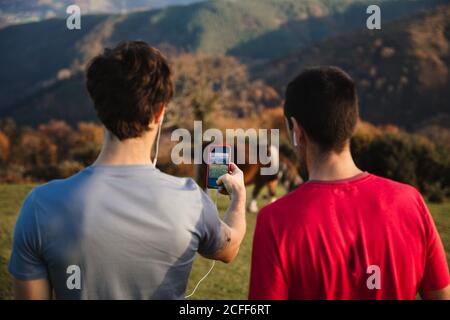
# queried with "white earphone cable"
point(213, 263)
point(158, 137)
point(200, 281)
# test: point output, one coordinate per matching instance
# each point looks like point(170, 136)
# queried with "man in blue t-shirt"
point(121, 229)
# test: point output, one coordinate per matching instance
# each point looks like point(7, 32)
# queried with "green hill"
point(40, 61)
point(402, 71)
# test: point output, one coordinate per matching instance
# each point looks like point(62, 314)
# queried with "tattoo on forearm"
point(226, 237)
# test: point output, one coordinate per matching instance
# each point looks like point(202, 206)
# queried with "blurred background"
point(232, 61)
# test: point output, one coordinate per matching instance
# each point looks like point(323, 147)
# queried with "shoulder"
point(57, 189)
point(182, 183)
point(28, 204)
point(184, 187)
point(27, 219)
point(191, 195)
point(283, 206)
point(394, 189)
point(48, 187)
point(392, 184)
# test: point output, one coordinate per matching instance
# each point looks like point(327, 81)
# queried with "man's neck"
point(333, 166)
point(135, 151)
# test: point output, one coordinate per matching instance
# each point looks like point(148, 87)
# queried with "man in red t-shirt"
point(344, 234)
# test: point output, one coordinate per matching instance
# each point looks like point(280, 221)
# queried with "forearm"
point(234, 217)
point(233, 230)
point(234, 224)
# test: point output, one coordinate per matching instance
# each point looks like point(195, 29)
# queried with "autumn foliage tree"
point(211, 87)
point(57, 150)
point(52, 150)
point(4, 147)
point(410, 158)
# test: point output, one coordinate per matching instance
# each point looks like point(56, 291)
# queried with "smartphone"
point(219, 158)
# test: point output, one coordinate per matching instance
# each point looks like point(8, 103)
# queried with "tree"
point(4, 148)
point(211, 87)
point(391, 156)
point(87, 143)
point(59, 133)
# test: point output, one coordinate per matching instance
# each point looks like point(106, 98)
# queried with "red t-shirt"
point(363, 238)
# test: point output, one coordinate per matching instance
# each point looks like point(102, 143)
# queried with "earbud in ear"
point(294, 138)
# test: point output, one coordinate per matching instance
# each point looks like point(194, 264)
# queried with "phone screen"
point(218, 164)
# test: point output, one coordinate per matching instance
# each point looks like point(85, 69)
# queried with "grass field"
point(225, 282)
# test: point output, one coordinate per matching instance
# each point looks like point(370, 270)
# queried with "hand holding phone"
point(232, 183)
point(222, 174)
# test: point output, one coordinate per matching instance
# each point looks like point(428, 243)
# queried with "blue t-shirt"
point(114, 232)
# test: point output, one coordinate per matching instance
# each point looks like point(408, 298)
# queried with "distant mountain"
point(41, 61)
point(22, 11)
point(402, 71)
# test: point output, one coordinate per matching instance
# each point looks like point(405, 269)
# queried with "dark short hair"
point(128, 85)
point(324, 102)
